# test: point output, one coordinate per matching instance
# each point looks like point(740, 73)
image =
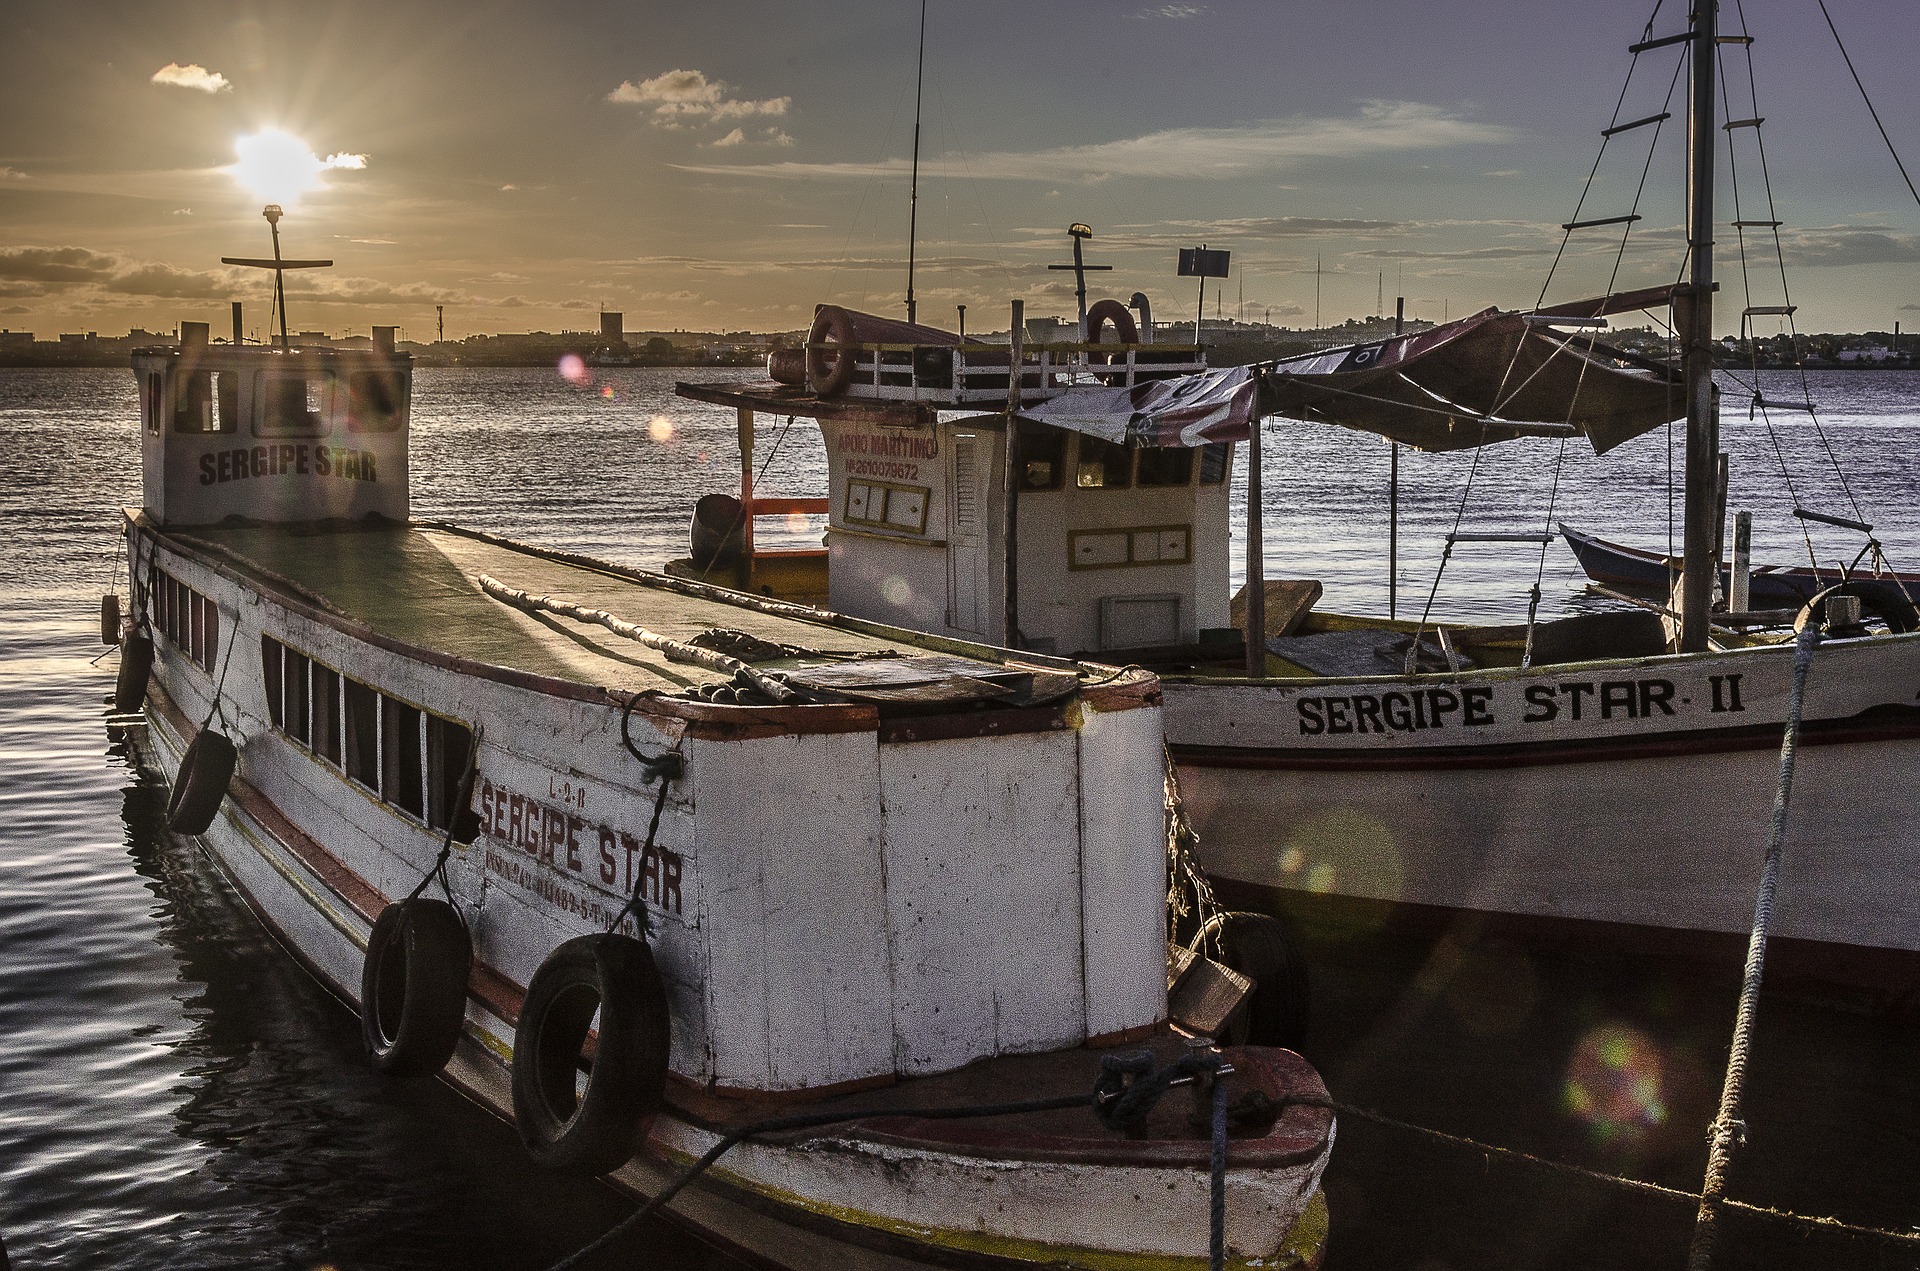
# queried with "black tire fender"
point(136, 668)
point(592, 1130)
point(830, 371)
point(1878, 597)
point(413, 987)
point(110, 618)
point(201, 783)
point(1261, 947)
point(1105, 311)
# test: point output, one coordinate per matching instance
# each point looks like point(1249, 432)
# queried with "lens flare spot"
point(1353, 847)
point(606, 392)
point(1322, 877)
point(573, 369)
point(1617, 1085)
point(895, 590)
point(660, 430)
point(1292, 860)
point(797, 522)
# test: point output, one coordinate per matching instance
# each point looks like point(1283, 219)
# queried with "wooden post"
point(1256, 632)
point(1393, 491)
point(745, 416)
point(1739, 593)
point(1693, 307)
point(1010, 496)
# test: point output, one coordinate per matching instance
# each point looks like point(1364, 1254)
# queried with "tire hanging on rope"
point(591, 1130)
point(201, 783)
point(830, 371)
point(413, 987)
point(136, 668)
point(110, 618)
point(1261, 947)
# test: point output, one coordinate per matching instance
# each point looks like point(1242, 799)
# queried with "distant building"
point(16, 340)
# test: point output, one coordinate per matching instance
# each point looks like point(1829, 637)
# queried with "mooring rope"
point(1727, 1129)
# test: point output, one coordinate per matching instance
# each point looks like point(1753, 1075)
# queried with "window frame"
point(321, 420)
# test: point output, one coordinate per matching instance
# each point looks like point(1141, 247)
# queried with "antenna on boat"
point(279, 267)
point(913, 192)
point(1079, 233)
point(1693, 304)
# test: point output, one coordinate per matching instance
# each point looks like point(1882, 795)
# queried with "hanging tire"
point(413, 987)
point(830, 371)
point(1104, 311)
point(110, 618)
point(1260, 947)
point(136, 668)
point(590, 1130)
point(201, 783)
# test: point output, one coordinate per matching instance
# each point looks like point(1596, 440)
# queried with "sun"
point(278, 167)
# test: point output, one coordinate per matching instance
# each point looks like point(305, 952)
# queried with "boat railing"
point(963, 373)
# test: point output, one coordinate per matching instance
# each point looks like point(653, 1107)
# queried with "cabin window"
point(1043, 456)
point(188, 619)
point(400, 778)
point(363, 734)
point(1216, 458)
point(1165, 465)
point(270, 649)
point(206, 402)
point(292, 404)
point(295, 684)
point(326, 713)
point(447, 747)
point(151, 399)
point(376, 401)
point(1103, 465)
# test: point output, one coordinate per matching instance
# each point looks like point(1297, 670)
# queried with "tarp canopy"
point(1486, 378)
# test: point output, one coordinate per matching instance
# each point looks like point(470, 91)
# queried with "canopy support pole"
point(1694, 305)
point(1256, 632)
point(1010, 497)
point(1393, 490)
point(745, 416)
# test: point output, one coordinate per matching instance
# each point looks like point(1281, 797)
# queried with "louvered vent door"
point(967, 533)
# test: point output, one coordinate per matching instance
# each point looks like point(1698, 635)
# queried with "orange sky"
point(723, 165)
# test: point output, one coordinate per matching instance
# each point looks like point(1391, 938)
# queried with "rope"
point(1217, 1189)
point(1727, 1129)
point(1194, 1063)
point(634, 905)
point(1863, 97)
point(462, 801)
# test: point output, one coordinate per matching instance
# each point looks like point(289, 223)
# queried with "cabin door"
point(969, 463)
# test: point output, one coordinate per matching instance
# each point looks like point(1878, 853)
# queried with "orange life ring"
point(829, 372)
point(1105, 311)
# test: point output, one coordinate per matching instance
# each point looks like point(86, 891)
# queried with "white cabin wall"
point(1123, 870)
point(983, 897)
point(795, 909)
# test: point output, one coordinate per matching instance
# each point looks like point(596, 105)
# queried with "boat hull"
point(1648, 813)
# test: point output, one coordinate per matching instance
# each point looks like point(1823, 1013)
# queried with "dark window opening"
point(326, 713)
point(1165, 465)
point(400, 755)
point(1104, 465)
point(270, 649)
point(1216, 457)
point(1043, 456)
point(196, 625)
point(447, 746)
point(363, 734)
point(376, 401)
point(292, 405)
point(295, 678)
point(226, 395)
point(193, 403)
point(210, 623)
point(152, 400)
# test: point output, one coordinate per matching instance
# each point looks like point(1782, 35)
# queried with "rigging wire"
point(1863, 97)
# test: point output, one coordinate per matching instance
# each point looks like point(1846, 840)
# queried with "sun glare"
point(276, 166)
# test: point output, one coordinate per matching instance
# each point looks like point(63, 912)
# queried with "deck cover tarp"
point(1486, 378)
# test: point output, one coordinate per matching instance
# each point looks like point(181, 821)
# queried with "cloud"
point(1173, 11)
point(688, 97)
point(192, 75)
point(1470, 253)
point(54, 265)
point(734, 138)
point(181, 211)
point(1212, 153)
point(348, 162)
point(12, 174)
point(1850, 245)
point(1289, 226)
point(775, 137)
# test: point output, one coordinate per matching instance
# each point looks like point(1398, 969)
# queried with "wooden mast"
point(1693, 313)
point(913, 190)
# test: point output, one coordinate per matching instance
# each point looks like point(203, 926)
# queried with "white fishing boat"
point(1599, 778)
point(644, 864)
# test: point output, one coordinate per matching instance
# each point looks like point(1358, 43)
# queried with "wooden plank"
point(1289, 600)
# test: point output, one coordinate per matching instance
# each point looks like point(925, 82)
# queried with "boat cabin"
point(1115, 545)
point(273, 435)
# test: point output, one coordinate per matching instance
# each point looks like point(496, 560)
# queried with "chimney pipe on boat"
point(383, 340)
point(236, 325)
point(1139, 303)
point(194, 335)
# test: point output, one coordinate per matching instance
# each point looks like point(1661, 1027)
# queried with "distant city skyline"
point(728, 166)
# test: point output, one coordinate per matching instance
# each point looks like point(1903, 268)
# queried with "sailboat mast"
point(913, 196)
point(1694, 318)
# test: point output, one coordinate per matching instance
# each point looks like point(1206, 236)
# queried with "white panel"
point(967, 538)
point(983, 884)
point(789, 832)
point(1123, 869)
point(1136, 622)
point(1100, 549)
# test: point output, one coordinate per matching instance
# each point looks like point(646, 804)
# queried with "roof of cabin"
point(417, 584)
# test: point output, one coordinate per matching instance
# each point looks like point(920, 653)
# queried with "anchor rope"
point(1727, 1129)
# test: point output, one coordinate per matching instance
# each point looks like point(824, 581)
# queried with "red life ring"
point(1105, 311)
point(830, 371)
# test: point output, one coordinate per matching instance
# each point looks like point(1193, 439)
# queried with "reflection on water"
point(176, 1092)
